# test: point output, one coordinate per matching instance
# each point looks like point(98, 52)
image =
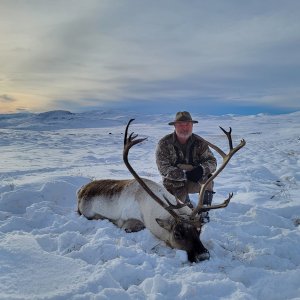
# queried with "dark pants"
point(181, 189)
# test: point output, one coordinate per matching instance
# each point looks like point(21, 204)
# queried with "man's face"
point(183, 129)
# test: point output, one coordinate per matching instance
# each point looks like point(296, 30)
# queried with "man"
point(185, 161)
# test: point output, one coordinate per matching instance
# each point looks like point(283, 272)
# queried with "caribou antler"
point(226, 158)
point(128, 143)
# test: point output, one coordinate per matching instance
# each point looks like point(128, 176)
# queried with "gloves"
point(195, 175)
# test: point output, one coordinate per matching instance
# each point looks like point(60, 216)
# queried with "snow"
point(48, 251)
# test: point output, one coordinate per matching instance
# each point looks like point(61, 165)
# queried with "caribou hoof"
point(133, 225)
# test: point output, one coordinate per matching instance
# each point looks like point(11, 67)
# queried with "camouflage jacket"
point(170, 153)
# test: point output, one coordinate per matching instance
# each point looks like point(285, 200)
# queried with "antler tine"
point(176, 206)
point(132, 136)
point(128, 143)
point(228, 134)
point(226, 158)
point(131, 140)
point(126, 131)
point(217, 206)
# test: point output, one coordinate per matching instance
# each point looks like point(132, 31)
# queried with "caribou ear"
point(166, 224)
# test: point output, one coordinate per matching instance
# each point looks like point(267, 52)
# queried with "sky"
point(48, 251)
point(210, 57)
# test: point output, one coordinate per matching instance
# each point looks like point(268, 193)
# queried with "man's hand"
point(195, 175)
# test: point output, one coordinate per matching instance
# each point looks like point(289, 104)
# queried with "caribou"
point(135, 204)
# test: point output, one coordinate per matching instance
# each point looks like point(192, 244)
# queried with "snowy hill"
point(61, 119)
point(47, 251)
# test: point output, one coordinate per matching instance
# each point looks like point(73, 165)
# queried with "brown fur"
point(104, 187)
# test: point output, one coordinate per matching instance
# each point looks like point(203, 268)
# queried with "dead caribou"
point(133, 204)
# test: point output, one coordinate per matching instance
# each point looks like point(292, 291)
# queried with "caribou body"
point(133, 204)
point(128, 206)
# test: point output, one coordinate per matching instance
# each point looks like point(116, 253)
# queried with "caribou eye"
point(177, 235)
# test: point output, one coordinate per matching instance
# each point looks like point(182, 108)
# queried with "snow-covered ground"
point(48, 251)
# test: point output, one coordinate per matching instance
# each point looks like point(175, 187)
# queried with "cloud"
point(6, 99)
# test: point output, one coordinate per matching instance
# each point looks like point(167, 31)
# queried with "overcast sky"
point(215, 57)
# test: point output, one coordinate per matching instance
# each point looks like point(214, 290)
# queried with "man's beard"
point(184, 135)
